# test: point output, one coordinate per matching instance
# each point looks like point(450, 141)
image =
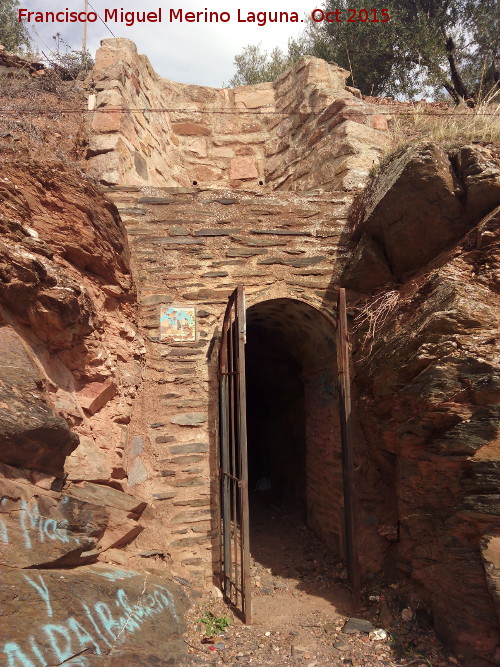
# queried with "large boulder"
point(41, 527)
point(96, 615)
point(480, 172)
point(420, 204)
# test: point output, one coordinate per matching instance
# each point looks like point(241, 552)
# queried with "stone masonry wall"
point(192, 247)
point(326, 136)
point(305, 130)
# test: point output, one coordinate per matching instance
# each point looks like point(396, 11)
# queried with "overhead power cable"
point(248, 112)
point(101, 20)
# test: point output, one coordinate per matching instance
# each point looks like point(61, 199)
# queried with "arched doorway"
point(294, 450)
point(282, 435)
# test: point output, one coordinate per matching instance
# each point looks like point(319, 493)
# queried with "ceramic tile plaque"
point(178, 323)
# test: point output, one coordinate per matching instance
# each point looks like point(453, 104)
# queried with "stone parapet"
point(307, 129)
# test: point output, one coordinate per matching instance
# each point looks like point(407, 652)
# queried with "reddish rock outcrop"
point(71, 369)
point(428, 386)
point(32, 434)
point(67, 327)
point(41, 527)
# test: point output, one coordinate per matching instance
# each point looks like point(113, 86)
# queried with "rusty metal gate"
point(235, 540)
point(344, 387)
point(235, 547)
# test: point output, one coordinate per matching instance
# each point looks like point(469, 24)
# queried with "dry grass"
point(450, 128)
point(41, 112)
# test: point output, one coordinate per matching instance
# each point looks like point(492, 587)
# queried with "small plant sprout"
point(214, 625)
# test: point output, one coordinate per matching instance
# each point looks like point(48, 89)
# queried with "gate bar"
point(233, 458)
point(243, 484)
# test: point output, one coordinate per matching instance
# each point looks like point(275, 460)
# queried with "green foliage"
point(214, 625)
point(13, 34)
point(256, 66)
point(428, 47)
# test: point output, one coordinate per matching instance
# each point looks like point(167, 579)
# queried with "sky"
point(200, 53)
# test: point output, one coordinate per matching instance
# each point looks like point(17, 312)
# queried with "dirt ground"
point(300, 608)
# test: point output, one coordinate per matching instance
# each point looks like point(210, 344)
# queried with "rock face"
point(421, 204)
point(414, 210)
point(66, 324)
point(31, 432)
point(71, 369)
point(90, 616)
point(428, 387)
point(43, 527)
point(269, 133)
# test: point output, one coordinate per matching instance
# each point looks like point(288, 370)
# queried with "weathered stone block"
point(136, 445)
point(189, 419)
point(244, 252)
point(379, 122)
point(167, 495)
point(88, 462)
point(253, 97)
point(189, 448)
point(283, 232)
point(106, 496)
point(243, 168)
point(297, 263)
point(138, 473)
point(191, 129)
point(161, 439)
point(215, 232)
point(106, 121)
point(189, 481)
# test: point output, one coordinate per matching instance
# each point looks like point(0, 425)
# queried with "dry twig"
point(373, 316)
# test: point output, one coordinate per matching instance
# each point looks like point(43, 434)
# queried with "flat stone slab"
point(223, 200)
point(189, 419)
point(296, 263)
point(244, 252)
point(190, 448)
point(355, 625)
point(161, 200)
point(105, 495)
point(282, 232)
point(224, 231)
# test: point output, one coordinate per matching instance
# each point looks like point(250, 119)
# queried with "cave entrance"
point(282, 432)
